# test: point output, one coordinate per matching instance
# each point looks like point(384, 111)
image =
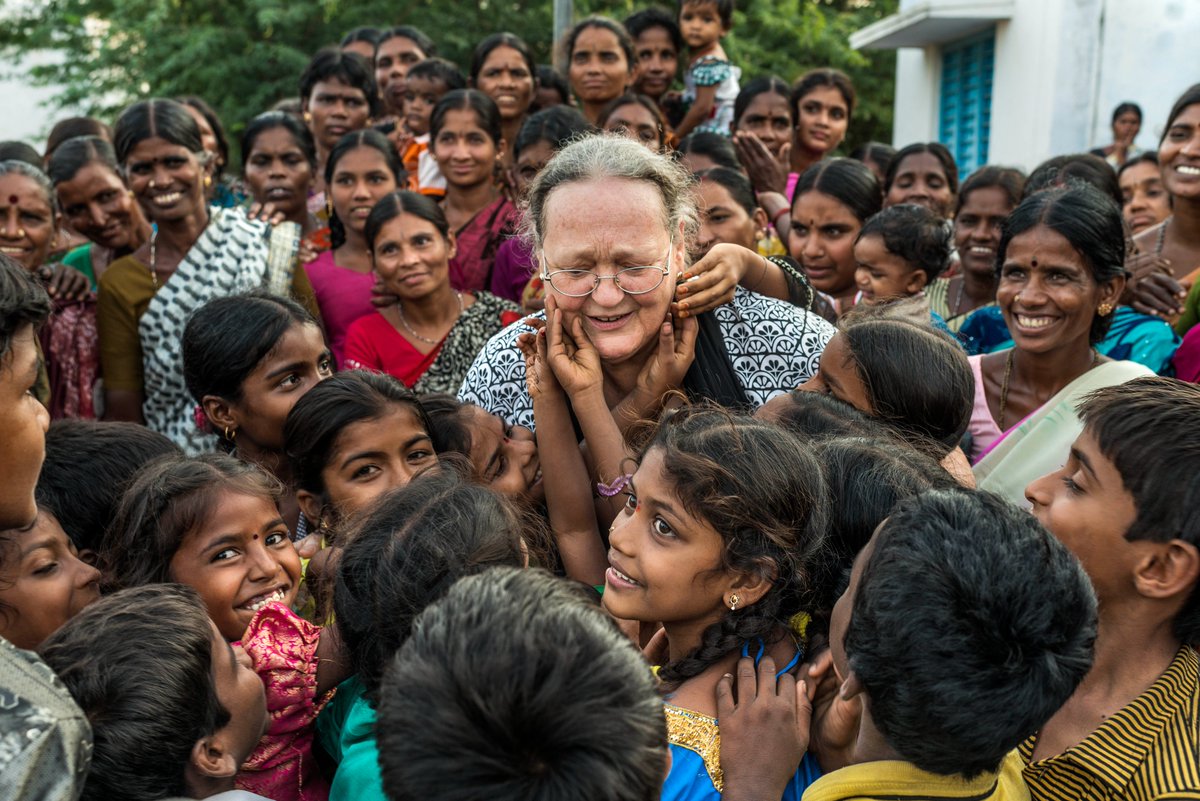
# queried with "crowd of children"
point(461, 447)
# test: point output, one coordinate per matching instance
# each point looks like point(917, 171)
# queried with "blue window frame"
point(965, 105)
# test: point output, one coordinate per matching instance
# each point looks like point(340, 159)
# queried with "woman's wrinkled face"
point(506, 79)
point(599, 71)
point(167, 180)
point(96, 204)
point(602, 226)
point(768, 116)
point(27, 221)
point(278, 172)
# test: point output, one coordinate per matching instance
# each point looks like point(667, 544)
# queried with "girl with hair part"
point(430, 336)
point(93, 200)
point(600, 62)
point(822, 102)
point(923, 173)
point(361, 168)
point(195, 254)
point(467, 141)
point(502, 67)
point(211, 523)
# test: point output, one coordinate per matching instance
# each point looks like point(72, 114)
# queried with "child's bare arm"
point(702, 106)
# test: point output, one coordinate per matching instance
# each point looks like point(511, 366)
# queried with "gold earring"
point(230, 435)
point(734, 600)
point(1105, 309)
point(208, 180)
point(308, 116)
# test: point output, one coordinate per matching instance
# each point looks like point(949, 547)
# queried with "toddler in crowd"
point(710, 81)
point(426, 83)
point(900, 251)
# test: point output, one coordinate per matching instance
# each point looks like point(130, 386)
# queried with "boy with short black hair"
point(965, 626)
point(425, 84)
point(575, 716)
point(1127, 503)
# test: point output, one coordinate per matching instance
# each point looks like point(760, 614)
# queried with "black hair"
point(1077, 168)
point(269, 121)
point(1190, 97)
point(318, 419)
point(439, 69)
point(876, 152)
point(967, 611)
point(74, 154)
point(557, 125)
point(393, 204)
point(548, 77)
point(646, 19)
point(717, 148)
point(365, 33)
point(487, 115)
point(736, 183)
point(157, 117)
point(74, 127)
point(821, 79)
point(635, 99)
point(415, 35)
point(1146, 428)
point(916, 234)
point(815, 416)
point(330, 64)
point(13, 150)
point(79, 451)
point(724, 8)
point(847, 181)
point(23, 301)
point(490, 43)
point(763, 491)
point(543, 734)
point(1090, 221)
point(935, 149)
point(367, 137)
point(1145, 157)
point(1125, 108)
point(448, 427)
point(226, 339)
point(166, 502)
point(214, 122)
point(406, 552)
point(762, 85)
point(616, 29)
point(1009, 180)
point(147, 706)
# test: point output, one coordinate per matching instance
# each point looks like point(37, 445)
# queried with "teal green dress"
point(346, 730)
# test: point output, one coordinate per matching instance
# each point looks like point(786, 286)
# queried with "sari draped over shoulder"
point(1041, 442)
point(234, 254)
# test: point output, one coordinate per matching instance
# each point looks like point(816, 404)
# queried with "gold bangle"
point(762, 276)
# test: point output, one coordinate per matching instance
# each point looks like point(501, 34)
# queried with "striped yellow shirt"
point(1148, 751)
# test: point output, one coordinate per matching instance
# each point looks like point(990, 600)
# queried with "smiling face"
point(277, 172)
point(767, 117)
point(167, 181)
point(336, 109)
point(374, 456)
point(599, 71)
point(882, 275)
point(24, 422)
point(421, 95)
point(464, 151)
point(26, 225)
point(635, 121)
point(1047, 293)
point(657, 62)
point(665, 564)
point(838, 376)
point(239, 559)
point(621, 227)
point(393, 58)
point(1179, 154)
point(700, 24)
point(43, 583)
point(722, 219)
point(822, 117)
point(360, 178)
point(977, 229)
point(96, 204)
point(1144, 200)
point(412, 257)
point(921, 179)
point(506, 79)
point(822, 240)
point(505, 457)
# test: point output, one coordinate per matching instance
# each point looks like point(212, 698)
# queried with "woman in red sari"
point(432, 334)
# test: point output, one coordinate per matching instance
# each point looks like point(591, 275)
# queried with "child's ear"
point(312, 507)
point(211, 760)
point(917, 280)
point(1170, 570)
point(219, 413)
point(750, 587)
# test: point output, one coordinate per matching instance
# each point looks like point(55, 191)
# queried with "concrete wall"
point(24, 110)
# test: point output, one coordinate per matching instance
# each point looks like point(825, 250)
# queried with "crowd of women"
point(670, 346)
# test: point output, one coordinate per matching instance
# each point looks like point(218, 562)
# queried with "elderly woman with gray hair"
point(610, 223)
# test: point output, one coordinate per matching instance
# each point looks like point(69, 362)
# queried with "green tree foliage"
point(244, 55)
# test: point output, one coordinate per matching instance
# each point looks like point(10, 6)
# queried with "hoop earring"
point(230, 435)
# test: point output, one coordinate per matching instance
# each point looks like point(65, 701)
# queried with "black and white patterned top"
point(773, 346)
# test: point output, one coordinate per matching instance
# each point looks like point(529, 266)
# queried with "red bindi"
point(13, 199)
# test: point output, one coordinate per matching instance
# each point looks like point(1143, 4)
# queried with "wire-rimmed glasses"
point(630, 280)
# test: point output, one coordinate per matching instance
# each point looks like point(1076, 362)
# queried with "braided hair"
point(761, 488)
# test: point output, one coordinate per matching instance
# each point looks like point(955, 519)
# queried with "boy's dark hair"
point(548, 77)
point(539, 734)
point(88, 466)
point(719, 149)
point(557, 125)
point(970, 627)
point(1008, 180)
point(164, 504)
point(331, 63)
point(724, 9)
point(935, 149)
point(639, 22)
point(1148, 429)
point(914, 233)
point(439, 69)
point(139, 664)
point(1072, 170)
point(406, 552)
point(23, 301)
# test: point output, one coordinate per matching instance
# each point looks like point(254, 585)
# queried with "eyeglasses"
point(631, 280)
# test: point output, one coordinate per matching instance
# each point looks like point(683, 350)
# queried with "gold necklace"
point(427, 340)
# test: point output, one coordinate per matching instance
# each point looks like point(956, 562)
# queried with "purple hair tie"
point(619, 483)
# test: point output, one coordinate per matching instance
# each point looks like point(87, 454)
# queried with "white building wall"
point(25, 113)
